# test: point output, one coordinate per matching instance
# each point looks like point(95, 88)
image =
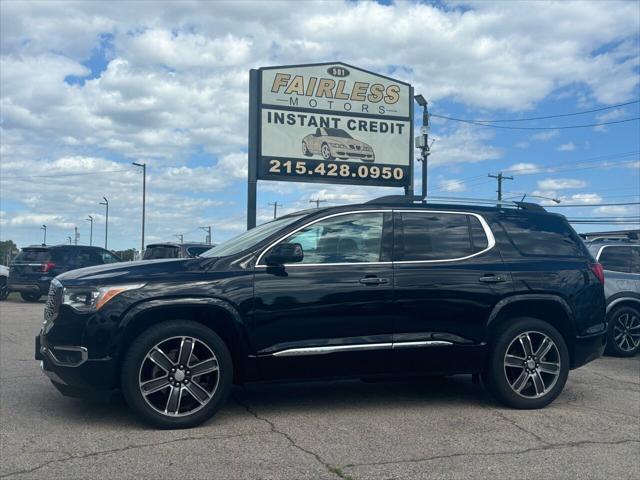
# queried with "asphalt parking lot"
point(399, 429)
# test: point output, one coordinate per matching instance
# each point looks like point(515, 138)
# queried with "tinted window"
point(617, 259)
point(33, 255)
point(543, 235)
point(161, 251)
point(346, 238)
point(108, 257)
point(440, 236)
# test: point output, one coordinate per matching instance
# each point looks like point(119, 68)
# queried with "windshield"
point(154, 252)
point(336, 132)
point(250, 237)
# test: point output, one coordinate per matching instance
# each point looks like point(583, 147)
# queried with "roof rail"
point(404, 199)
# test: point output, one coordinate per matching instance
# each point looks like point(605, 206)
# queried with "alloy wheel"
point(532, 364)
point(326, 152)
point(626, 331)
point(179, 376)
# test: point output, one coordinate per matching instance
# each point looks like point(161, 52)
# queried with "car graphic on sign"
point(332, 143)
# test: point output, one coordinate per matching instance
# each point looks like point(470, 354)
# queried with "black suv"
point(34, 267)
point(156, 251)
point(391, 287)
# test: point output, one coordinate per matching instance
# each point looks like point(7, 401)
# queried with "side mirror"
point(284, 253)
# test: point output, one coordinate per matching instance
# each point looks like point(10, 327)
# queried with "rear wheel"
point(30, 297)
point(623, 339)
point(177, 374)
point(529, 364)
point(4, 290)
point(305, 150)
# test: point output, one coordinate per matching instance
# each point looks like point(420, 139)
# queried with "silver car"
point(621, 263)
point(332, 143)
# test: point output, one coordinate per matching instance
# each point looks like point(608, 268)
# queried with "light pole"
point(44, 227)
point(76, 235)
point(422, 142)
point(181, 237)
point(90, 219)
point(69, 237)
point(106, 221)
point(144, 196)
point(208, 230)
point(275, 206)
point(317, 202)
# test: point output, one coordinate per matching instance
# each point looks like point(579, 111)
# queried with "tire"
point(538, 382)
point(623, 338)
point(305, 150)
point(4, 290)
point(30, 297)
point(325, 151)
point(171, 337)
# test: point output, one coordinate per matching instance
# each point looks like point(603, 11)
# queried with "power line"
point(551, 116)
point(593, 205)
point(63, 174)
point(506, 127)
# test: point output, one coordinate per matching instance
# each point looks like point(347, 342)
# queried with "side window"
point(108, 257)
point(440, 236)
point(352, 238)
point(87, 258)
point(543, 235)
point(616, 259)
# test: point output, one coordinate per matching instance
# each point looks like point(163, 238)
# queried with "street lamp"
point(106, 222)
point(44, 227)
point(422, 142)
point(90, 219)
point(144, 195)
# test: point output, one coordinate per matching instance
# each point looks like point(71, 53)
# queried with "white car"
point(4, 278)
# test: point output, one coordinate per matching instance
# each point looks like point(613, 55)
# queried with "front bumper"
point(72, 372)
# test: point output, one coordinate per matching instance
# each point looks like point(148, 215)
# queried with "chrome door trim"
point(304, 351)
point(491, 240)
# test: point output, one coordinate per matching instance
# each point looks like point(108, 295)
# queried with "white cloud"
point(463, 145)
point(560, 183)
point(522, 145)
point(566, 147)
point(523, 168)
point(618, 210)
point(545, 136)
point(452, 185)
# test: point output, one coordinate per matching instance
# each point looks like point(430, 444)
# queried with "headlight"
point(367, 148)
point(90, 299)
point(337, 145)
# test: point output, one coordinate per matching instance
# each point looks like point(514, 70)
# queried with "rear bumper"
point(30, 287)
point(588, 348)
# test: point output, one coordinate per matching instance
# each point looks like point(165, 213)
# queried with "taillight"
point(47, 266)
point(598, 271)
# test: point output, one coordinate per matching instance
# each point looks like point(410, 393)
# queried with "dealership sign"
point(330, 123)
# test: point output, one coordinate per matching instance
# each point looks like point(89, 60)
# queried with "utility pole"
point(90, 219)
point(76, 235)
point(181, 237)
point(500, 178)
point(208, 230)
point(275, 206)
point(144, 196)
point(317, 202)
point(44, 227)
point(106, 223)
point(422, 142)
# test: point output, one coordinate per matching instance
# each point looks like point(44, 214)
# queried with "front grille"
point(53, 301)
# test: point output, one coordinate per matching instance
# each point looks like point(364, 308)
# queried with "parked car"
point(34, 267)
point(4, 278)
point(621, 263)
point(334, 142)
point(174, 250)
point(386, 288)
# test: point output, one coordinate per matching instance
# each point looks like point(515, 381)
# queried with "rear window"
point(161, 251)
point(624, 259)
point(34, 255)
point(543, 235)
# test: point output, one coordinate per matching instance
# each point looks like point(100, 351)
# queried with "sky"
point(86, 88)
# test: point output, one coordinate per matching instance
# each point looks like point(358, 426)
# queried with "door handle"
point(374, 281)
point(490, 278)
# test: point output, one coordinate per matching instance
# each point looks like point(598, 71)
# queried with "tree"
point(127, 255)
point(8, 250)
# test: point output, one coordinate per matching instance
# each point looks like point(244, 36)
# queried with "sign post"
point(328, 123)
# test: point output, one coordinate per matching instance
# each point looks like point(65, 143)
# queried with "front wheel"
point(30, 297)
point(325, 151)
point(529, 364)
point(4, 290)
point(623, 338)
point(177, 374)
